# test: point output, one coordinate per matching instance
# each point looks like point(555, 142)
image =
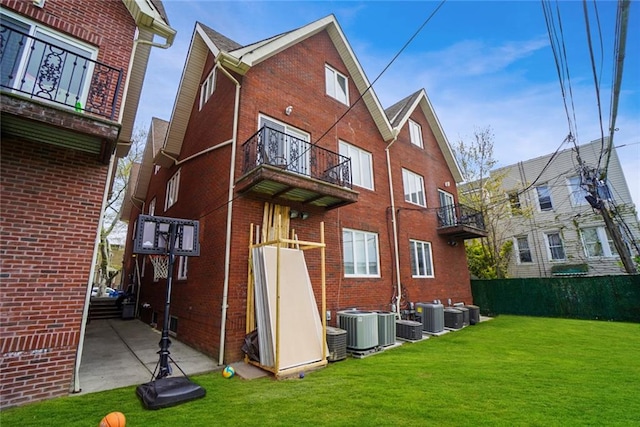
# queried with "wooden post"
point(324, 293)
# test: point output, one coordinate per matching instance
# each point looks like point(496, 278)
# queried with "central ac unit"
point(474, 314)
point(386, 328)
point(336, 343)
point(361, 327)
point(432, 316)
point(409, 330)
point(453, 318)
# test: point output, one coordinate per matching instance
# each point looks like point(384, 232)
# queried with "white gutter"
point(394, 223)
point(227, 248)
point(92, 271)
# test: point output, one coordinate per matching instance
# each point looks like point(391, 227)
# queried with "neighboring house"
point(559, 232)
point(282, 121)
point(71, 76)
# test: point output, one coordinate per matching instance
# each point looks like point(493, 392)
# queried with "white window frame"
point(519, 250)
point(302, 163)
point(156, 169)
point(578, 193)
point(207, 88)
point(173, 325)
point(332, 83)
point(515, 205)
point(90, 52)
point(152, 207)
point(607, 246)
point(183, 267)
point(173, 186)
point(413, 185)
point(539, 196)
point(420, 250)
point(415, 133)
point(361, 164)
point(352, 254)
point(549, 249)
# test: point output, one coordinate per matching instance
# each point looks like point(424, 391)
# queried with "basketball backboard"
point(153, 233)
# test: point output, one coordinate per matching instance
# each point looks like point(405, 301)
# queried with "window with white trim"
point(361, 164)
point(578, 193)
point(172, 191)
point(544, 198)
point(152, 207)
point(523, 250)
point(597, 242)
point(337, 84)
point(173, 326)
point(156, 169)
point(183, 262)
point(287, 146)
point(360, 253)
point(50, 65)
point(421, 259)
point(415, 131)
point(413, 188)
point(207, 88)
point(555, 246)
point(514, 203)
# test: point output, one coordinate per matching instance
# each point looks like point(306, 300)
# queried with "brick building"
point(291, 121)
point(72, 72)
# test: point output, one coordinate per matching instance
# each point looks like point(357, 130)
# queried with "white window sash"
point(415, 133)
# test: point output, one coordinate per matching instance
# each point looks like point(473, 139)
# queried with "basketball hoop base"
point(168, 391)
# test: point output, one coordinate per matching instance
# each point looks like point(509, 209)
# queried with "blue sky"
point(481, 63)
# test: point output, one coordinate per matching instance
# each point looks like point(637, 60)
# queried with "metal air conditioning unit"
point(474, 314)
point(465, 315)
point(453, 318)
point(361, 327)
point(386, 328)
point(409, 330)
point(336, 343)
point(432, 316)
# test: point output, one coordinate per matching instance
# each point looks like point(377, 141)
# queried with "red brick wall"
point(51, 200)
point(296, 77)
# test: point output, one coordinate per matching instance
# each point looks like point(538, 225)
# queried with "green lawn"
point(508, 371)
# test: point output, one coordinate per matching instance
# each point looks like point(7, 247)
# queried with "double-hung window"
point(415, 132)
point(360, 253)
point(597, 242)
point(361, 164)
point(336, 84)
point(183, 262)
point(555, 246)
point(173, 186)
point(522, 247)
point(544, 198)
point(514, 203)
point(45, 64)
point(285, 146)
point(207, 88)
point(413, 188)
point(579, 193)
point(421, 259)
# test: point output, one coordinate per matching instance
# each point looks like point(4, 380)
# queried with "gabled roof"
point(241, 58)
point(399, 113)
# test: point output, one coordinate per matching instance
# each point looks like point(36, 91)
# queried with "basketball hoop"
point(160, 266)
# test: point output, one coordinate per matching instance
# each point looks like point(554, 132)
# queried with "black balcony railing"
point(43, 70)
point(271, 147)
point(460, 215)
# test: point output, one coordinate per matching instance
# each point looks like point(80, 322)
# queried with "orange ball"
point(114, 419)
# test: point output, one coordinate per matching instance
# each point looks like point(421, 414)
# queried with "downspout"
point(92, 271)
point(227, 247)
point(396, 131)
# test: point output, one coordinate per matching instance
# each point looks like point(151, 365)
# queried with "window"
point(50, 66)
point(555, 246)
point(514, 203)
point(362, 170)
point(421, 259)
point(172, 191)
point(522, 247)
point(413, 187)
point(597, 242)
point(207, 88)
point(285, 146)
point(544, 198)
point(152, 207)
point(173, 325)
point(182, 267)
point(337, 85)
point(415, 131)
point(448, 209)
point(156, 169)
point(360, 250)
point(578, 192)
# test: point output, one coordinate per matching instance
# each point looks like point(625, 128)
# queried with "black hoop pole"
point(165, 342)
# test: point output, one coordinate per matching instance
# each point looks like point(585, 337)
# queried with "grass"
point(509, 371)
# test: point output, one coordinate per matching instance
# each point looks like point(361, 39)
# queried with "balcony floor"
point(463, 232)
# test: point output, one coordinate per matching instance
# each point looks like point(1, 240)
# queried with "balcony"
point(53, 92)
point(281, 168)
point(460, 222)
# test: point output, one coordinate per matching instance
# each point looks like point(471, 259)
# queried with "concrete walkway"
point(119, 353)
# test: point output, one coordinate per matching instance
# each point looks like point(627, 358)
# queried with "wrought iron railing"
point(456, 215)
point(271, 147)
point(45, 71)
